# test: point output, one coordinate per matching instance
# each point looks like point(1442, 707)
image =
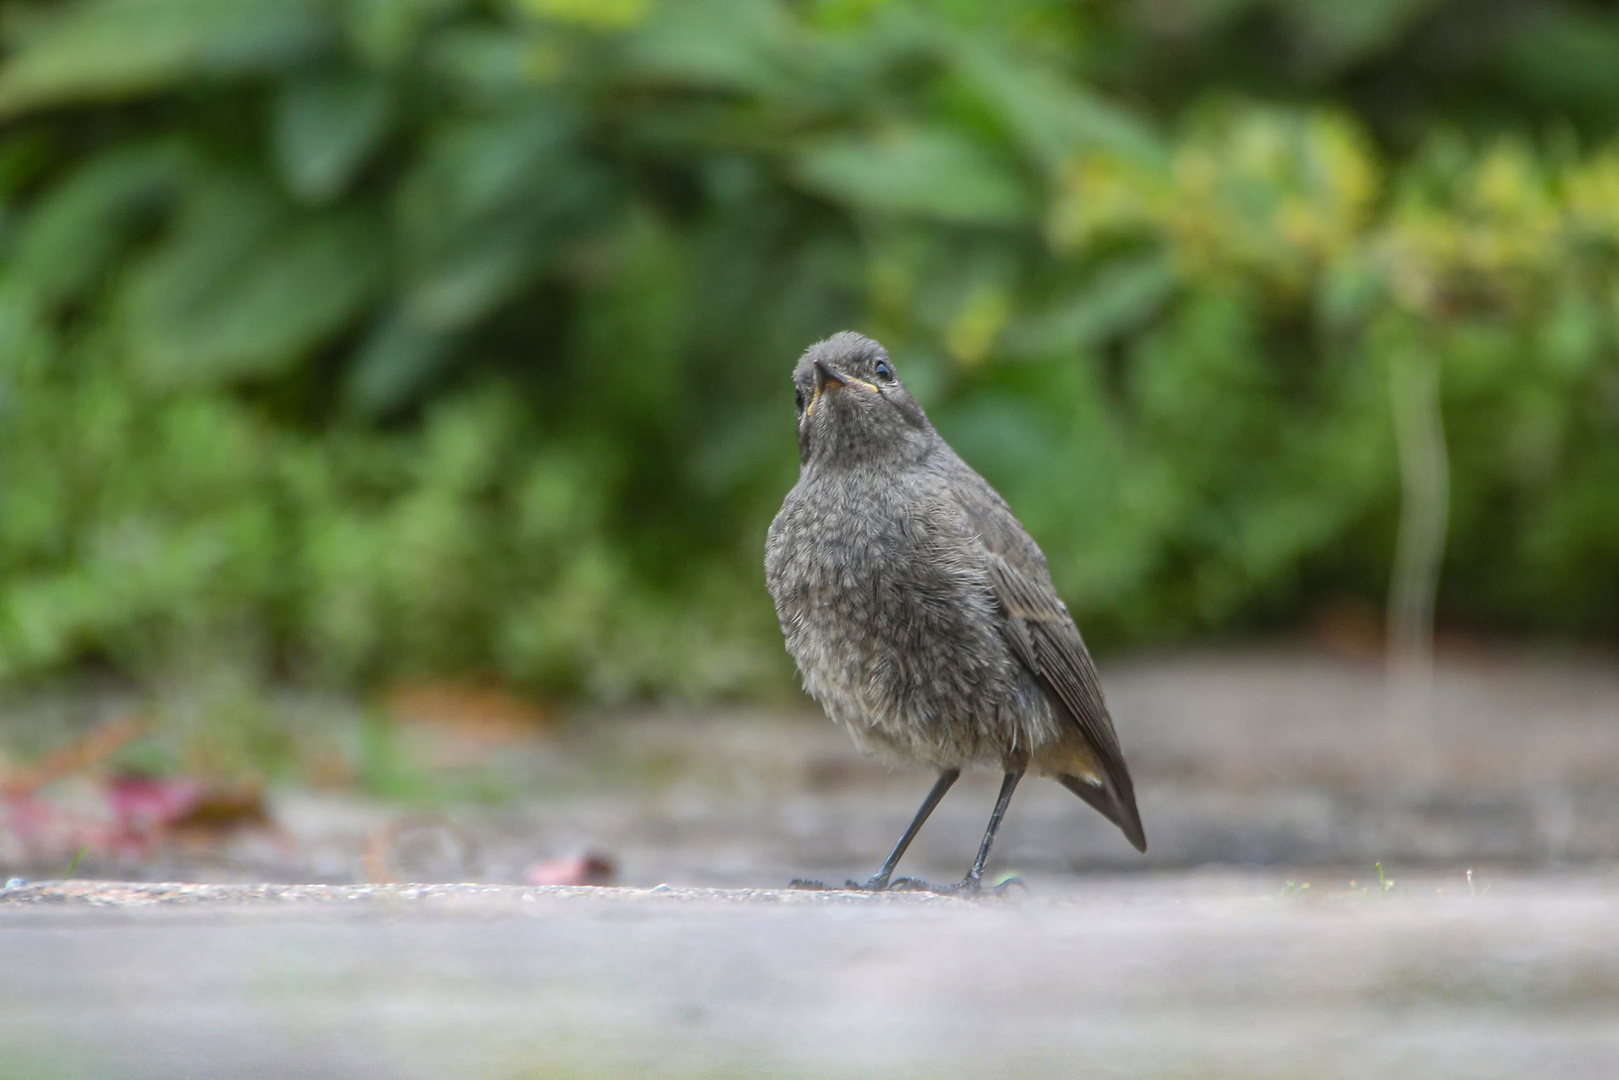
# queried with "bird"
point(920, 613)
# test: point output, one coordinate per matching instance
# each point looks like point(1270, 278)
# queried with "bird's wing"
point(1042, 634)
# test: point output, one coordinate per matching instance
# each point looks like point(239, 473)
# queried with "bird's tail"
point(1117, 804)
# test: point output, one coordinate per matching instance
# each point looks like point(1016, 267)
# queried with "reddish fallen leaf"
point(44, 832)
point(145, 805)
point(224, 809)
point(591, 868)
point(129, 816)
point(148, 811)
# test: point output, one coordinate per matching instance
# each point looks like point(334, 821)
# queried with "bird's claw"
point(1001, 887)
point(968, 886)
point(876, 884)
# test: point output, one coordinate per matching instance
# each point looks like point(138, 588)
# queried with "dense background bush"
point(342, 340)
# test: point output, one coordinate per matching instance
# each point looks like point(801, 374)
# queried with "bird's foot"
point(879, 883)
point(968, 886)
point(876, 884)
point(965, 888)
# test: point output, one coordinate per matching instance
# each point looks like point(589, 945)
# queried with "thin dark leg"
point(942, 785)
point(883, 876)
point(974, 876)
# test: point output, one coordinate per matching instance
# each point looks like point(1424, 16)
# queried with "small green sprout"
point(1383, 888)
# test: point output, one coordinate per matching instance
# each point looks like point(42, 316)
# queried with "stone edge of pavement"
point(133, 894)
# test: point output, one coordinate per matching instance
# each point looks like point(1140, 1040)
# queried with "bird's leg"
point(973, 882)
point(880, 880)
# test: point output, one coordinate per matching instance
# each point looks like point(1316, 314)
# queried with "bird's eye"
point(884, 372)
point(798, 396)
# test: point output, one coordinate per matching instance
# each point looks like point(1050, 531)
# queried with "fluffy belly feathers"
point(911, 663)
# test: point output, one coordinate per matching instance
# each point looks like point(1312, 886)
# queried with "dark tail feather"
point(1121, 811)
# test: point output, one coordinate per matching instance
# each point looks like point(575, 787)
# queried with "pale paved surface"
point(1276, 760)
point(1187, 975)
point(1277, 757)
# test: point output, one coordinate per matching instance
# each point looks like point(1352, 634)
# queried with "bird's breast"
point(888, 613)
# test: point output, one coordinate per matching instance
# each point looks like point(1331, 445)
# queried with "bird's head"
point(852, 406)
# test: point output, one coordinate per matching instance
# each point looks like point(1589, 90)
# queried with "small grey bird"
point(921, 614)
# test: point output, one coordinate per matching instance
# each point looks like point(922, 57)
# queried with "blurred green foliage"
point(352, 339)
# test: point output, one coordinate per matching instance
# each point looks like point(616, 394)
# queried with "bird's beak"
point(825, 376)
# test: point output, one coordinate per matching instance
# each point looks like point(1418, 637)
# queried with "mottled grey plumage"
point(920, 613)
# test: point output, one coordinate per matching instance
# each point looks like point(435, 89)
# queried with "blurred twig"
point(95, 746)
point(1419, 554)
point(379, 846)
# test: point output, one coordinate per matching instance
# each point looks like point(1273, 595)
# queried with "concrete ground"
point(1254, 940)
point(1262, 757)
point(1180, 975)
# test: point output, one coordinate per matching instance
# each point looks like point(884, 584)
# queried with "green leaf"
point(1118, 299)
point(460, 288)
point(1566, 57)
point(385, 32)
point(593, 14)
point(108, 49)
point(719, 44)
point(932, 173)
point(325, 126)
point(396, 361)
point(68, 237)
point(488, 264)
point(23, 157)
point(245, 287)
point(1334, 36)
point(491, 206)
point(473, 167)
point(1053, 117)
point(492, 63)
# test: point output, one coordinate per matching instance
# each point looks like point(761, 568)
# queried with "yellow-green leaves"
point(594, 14)
point(334, 319)
point(1260, 192)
